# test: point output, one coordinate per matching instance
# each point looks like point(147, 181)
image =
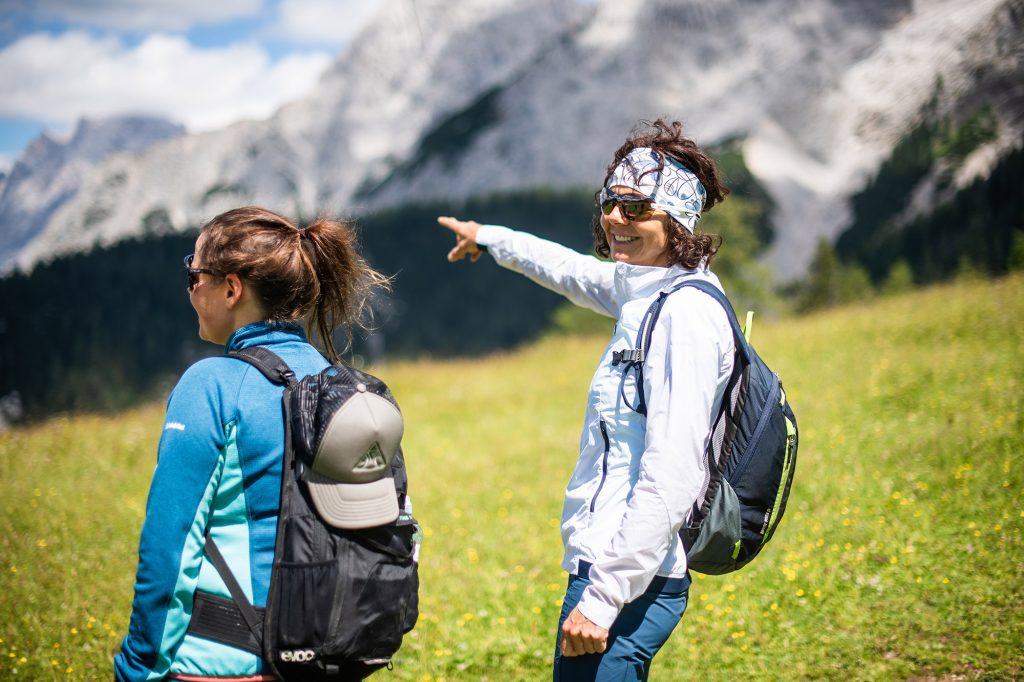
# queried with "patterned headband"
point(675, 190)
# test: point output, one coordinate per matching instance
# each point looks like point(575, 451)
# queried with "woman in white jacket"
point(637, 477)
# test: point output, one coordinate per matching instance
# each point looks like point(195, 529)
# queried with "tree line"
point(103, 329)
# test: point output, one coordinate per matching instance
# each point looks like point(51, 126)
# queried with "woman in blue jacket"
point(253, 278)
point(636, 478)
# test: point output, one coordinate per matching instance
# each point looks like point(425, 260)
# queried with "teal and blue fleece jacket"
point(218, 467)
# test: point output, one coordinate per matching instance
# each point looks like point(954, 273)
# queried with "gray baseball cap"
point(350, 480)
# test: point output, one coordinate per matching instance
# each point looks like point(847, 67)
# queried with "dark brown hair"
point(684, 248)
point(315, 274)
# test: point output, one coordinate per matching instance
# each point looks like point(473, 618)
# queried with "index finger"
point(453, 224)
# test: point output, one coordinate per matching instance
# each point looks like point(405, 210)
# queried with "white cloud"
point(324, 22)
point(148, 15)
point(59, 78)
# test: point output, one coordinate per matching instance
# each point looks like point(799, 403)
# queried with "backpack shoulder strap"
point(638, 356)
point(278, 372)
point(249, 615)
point(267, 362)
point(742, 346)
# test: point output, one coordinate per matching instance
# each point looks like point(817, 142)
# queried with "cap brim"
point(353, 505)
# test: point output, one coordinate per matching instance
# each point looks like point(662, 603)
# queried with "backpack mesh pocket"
point(304, 587)
point(375, 594)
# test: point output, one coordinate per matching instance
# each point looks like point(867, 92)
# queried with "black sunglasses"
point(193, 273)
point(631, 207)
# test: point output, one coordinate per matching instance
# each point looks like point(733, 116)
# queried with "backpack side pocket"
point(717, 545)
point(304, 587)
point(375, 596)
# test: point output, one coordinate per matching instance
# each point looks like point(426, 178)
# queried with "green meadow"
point(901, 556)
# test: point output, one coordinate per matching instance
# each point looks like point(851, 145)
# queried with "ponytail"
point(315, 275)
point(346, 281)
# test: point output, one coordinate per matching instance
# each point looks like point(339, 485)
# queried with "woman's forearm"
point(584, 280)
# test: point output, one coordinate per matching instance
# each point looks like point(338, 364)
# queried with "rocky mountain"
point(820, 91)
point(49, 173)
point(447, 100)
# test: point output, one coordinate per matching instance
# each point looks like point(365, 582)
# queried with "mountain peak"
point(49, 172)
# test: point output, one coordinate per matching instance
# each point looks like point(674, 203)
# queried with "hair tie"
point(307, 246)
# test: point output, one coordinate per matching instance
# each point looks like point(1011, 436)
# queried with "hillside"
point(901, 555)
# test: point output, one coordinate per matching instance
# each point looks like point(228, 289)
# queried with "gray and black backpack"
point(751, 455)
point(340, 598)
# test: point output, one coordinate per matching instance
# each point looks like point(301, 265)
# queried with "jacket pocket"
point(604, 466)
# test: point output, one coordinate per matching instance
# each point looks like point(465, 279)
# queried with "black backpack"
point(751, 455)
point(339, 600)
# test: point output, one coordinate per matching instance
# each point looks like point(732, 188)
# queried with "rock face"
point(49, 173)
point(446, 100)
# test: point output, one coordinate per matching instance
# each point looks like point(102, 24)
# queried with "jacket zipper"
point(604, 466)
point(762, 423)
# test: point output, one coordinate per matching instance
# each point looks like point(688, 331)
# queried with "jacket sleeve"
point(584, 280)
point(685, 375)
point(189, 463)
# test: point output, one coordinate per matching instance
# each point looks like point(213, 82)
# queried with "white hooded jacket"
point(636, 478)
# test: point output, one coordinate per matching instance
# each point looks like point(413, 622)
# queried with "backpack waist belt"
point(207, 678)
point(219, 619)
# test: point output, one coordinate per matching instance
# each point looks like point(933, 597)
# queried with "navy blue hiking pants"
point(642, 628)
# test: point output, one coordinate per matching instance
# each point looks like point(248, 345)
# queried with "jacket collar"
point(263, 334)
point(640, 281)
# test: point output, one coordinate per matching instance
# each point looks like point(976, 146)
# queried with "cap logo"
point(350, 479)
point(372, 460)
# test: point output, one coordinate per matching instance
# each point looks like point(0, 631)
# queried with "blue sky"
point(202, 63)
